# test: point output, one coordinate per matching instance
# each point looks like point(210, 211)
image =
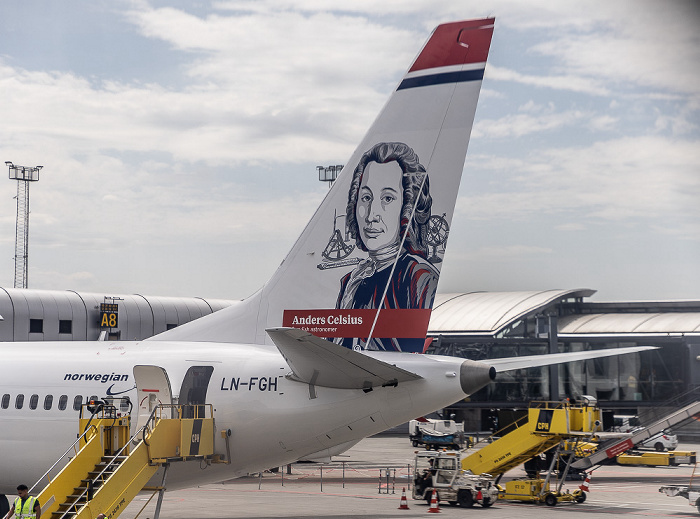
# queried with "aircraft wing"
point(319, 362)
point(533, 361)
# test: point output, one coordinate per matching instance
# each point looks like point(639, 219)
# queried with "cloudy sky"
point(180, 139)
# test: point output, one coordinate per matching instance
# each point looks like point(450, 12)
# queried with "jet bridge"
point(615, 447)
point(110, 467)
point(545, 426)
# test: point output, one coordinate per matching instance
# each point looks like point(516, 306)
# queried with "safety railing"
point(111, 463)
point(513, 426)
point(68, 451)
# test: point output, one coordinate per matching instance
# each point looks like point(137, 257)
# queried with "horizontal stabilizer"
point(533, 361)
point(320, 362)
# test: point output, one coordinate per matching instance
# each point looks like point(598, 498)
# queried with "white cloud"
point(570, 227)
point(603, 123)
point(646, 178)
point(509, 251)
point(644, 42)
point(572, 83)
point(517, 125)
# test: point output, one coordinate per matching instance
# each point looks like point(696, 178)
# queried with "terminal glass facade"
point(654, 376)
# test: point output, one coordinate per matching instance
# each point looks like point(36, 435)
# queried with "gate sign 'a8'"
point(109, 315)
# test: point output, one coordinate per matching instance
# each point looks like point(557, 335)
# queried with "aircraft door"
point(152, 389)
point(193, 393)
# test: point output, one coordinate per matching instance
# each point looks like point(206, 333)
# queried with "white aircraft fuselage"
point(272, 419)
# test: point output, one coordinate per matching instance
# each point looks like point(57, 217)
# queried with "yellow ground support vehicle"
point(538, 491)
point(107, 467)
point(547, 425)
point(638, 457)
point(656, 459)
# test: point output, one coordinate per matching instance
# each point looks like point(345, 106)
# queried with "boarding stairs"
point(107, 467)
point(546, 425)
point(615, 447)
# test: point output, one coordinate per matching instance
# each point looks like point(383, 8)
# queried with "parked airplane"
point(325, 353)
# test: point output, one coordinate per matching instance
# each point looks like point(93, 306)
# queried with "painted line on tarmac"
point(299, 492)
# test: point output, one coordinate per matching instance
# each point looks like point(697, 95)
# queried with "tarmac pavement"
point(351, 488)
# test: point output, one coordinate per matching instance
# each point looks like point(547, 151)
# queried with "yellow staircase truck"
point(109, 466)
point(547, 424)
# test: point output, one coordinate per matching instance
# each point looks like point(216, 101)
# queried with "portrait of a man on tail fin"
point(388, 211)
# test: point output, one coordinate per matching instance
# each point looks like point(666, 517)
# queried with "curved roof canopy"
point(490, 312)
point(639, 323)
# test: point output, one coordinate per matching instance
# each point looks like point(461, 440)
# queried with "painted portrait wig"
point(414, 174)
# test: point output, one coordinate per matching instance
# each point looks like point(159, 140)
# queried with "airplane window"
point(33, 401)
point(5, 401)
point(48, 402)
point(19, 401)
point(62, 402)
point(77, 401)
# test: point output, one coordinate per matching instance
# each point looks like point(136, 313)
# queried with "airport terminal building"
point(484, 325)
point(56, 315)
point(475, 325)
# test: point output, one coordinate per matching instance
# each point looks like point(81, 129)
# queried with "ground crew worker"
point(25, 506)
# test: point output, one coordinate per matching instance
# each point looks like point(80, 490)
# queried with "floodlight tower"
point(23, 175)
point(329, 173)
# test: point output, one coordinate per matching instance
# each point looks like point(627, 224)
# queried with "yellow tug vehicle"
point(538, 491)
point(657, 459)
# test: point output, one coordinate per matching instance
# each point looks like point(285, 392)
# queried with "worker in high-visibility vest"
point(25, 506)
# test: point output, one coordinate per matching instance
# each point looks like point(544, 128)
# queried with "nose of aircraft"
point(474, 375)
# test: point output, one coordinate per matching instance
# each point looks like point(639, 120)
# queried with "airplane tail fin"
point(364, 271)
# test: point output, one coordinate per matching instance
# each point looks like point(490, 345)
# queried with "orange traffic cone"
point(404, 501)
point(585, 484)
point(434, 506)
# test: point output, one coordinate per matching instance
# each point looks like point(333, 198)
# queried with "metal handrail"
point(141, 431)
point(62, 456)
point(119, 453)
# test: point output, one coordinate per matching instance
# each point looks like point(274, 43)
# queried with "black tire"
point(465, 498)
point(581, 497)
point(697, 504)
point(415, 443)
point(486, 502)
point(659, 447)
point(550, 500)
